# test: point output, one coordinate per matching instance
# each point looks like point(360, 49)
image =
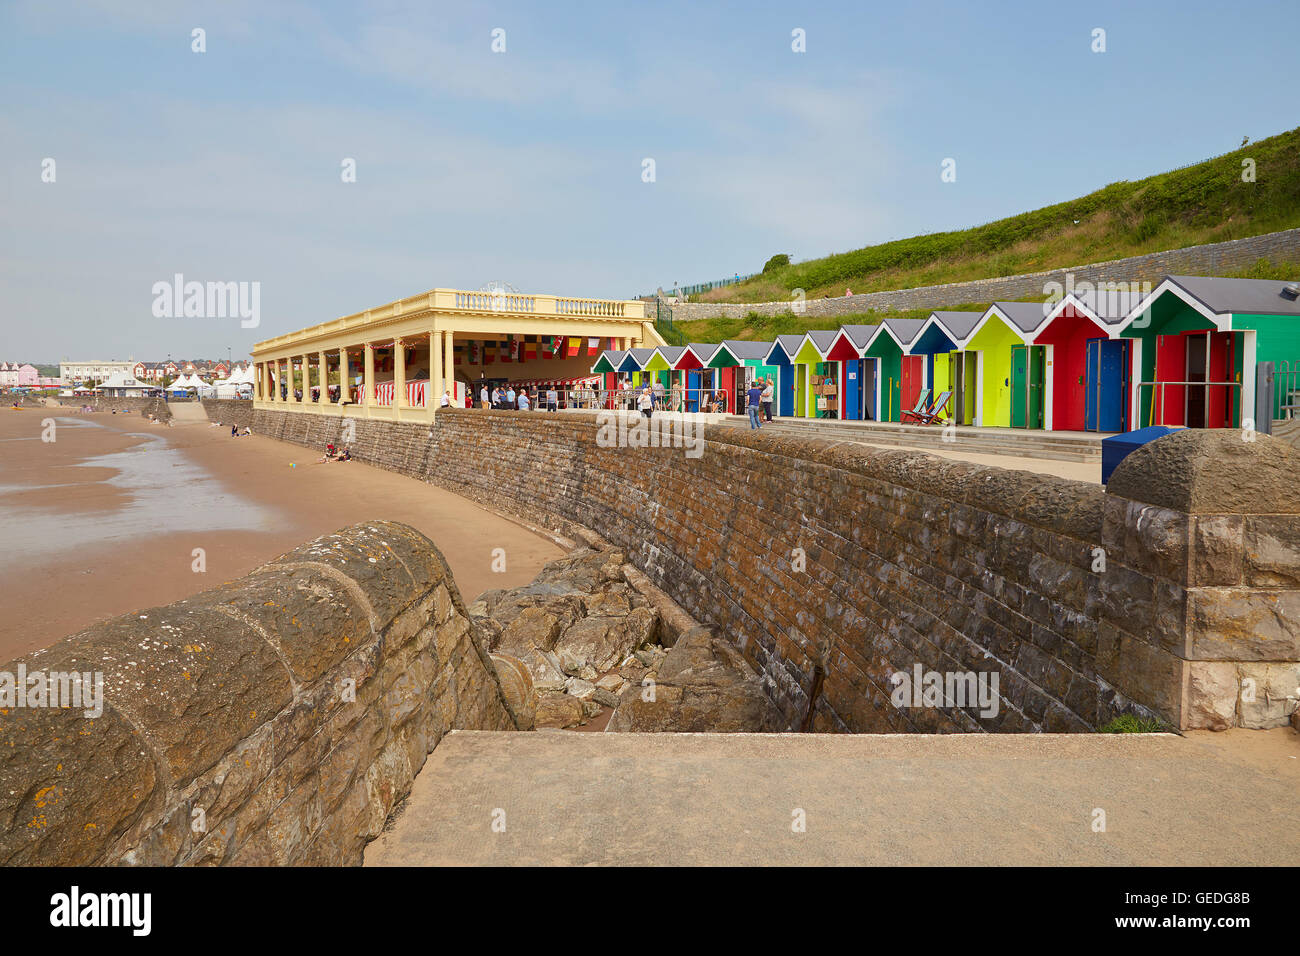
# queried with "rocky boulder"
point(703, 685)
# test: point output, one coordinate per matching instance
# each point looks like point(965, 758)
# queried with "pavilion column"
point(297, 394)
point(399, 374)
point(368, 381)
point(276, 379)
point(344, 394)
point(433, 398)
point(449, 363)
point(323, 396)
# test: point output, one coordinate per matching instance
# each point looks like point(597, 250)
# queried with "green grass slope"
point(1207, 202)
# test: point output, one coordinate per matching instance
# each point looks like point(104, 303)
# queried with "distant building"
point(97, 370)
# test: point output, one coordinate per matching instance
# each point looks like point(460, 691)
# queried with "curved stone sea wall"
point(275, 720)
point(834, 567)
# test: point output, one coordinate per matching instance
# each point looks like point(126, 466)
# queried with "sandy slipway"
point(590, 634)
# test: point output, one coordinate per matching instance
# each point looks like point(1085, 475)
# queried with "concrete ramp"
point(183, 412)
point(563, 798)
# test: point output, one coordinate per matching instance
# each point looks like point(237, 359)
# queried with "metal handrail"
point(1206, 385)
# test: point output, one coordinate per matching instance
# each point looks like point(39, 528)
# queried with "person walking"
point(646, 402)
point(753, 397)
point(766, 399)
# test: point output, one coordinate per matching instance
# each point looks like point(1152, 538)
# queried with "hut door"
point(1168, 403)
point(1219, 400)
point(1198, 367)
point(913, 376)
point(1104, 405)
point(851, 388)
point(867, 388)
point(1028, 374)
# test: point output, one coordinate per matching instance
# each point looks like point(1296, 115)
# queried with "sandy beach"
point(106, 518)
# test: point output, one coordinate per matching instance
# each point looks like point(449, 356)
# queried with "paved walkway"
point(706, 799)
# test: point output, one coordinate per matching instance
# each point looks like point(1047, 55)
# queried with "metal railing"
point(1163, 403)
point(704, 400)
point(1286, 390)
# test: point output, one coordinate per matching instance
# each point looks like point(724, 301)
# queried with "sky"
point(526, 165)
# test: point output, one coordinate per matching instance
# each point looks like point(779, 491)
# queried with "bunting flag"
point(489, 352)
point(519, 350)
point(530, 351)
point(474, 356)
point(613, 347)
point(593, 346)
point(557, 345)
point(574, 345)
point(504, 350)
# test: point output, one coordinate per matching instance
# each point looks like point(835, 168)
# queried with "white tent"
point(123, 385)
point(188, 381)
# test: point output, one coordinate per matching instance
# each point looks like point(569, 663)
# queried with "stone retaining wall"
point(156, 407)
point(908, 559)
point(275, 720)
point(229, 411)
point(1280, 248)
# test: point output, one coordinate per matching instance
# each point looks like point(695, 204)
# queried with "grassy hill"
point(763, 328)
point(1207, 202)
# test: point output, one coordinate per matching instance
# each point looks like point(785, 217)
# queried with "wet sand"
point(86, 542)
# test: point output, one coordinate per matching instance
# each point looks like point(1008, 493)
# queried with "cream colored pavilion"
point(429, 325)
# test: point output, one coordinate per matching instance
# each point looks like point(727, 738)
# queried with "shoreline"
point(59, 592)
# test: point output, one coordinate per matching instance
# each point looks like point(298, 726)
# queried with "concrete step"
point(576, 799)
point(187, 412)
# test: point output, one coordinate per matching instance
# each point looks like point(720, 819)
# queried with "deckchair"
point(934, 415)
point(922, 406)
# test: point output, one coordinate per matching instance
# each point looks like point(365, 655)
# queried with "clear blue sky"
point(525, 166)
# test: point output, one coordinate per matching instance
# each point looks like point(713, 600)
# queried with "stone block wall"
point(275, 720)
point(834, 566)
point(1280, 248)
point(229, 411)
point(156, 407)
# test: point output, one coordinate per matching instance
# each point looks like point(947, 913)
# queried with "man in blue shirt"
point(753, 397)
point(510, 396)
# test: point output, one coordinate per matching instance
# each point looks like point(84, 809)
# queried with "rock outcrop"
point(573, 632)
point(703, 684)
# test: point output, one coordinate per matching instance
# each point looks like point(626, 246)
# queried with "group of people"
point(759, 402)
point(332, 454)
point(504, 397)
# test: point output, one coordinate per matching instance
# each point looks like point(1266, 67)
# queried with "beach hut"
point(948, 367)
point(607, 367)
point(781, 357)
point(701, 378)
point(900, 376)
point(1196, 341)
point(1010, 371)
point(1088, 372)
point(816, 386)
point(659, 367)
point(858, 374)
point(741, 362)
point(633, 364)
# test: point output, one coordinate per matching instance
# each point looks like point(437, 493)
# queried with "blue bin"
point(1118, 447)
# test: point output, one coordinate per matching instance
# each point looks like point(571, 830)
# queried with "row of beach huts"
point(1187, 352)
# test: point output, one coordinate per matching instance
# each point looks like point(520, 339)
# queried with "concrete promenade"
point(718, 799)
